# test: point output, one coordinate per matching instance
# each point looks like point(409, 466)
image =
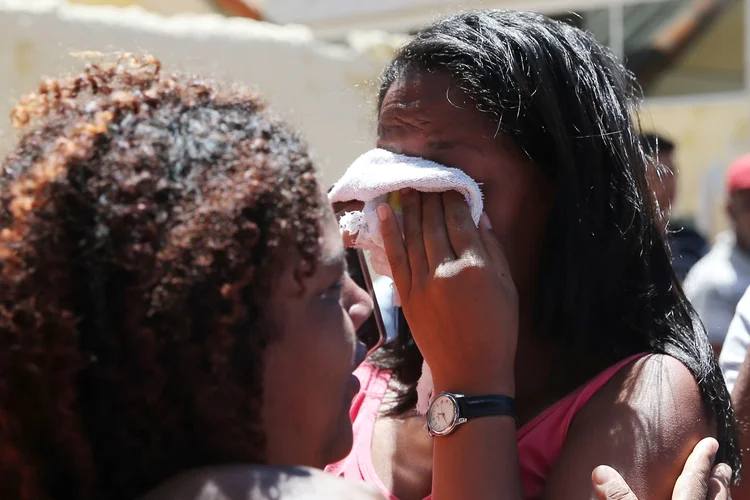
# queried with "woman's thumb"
point(608, 484)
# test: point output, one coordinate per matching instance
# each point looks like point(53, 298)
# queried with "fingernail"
point(485, 221)
point(603, 475)
point(383, 212)
point(712, 446)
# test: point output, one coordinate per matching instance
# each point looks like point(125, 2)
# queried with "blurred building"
point(170, 7)
point(318, 60)
point(690, 56)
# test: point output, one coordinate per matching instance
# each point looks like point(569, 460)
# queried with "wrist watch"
point(448, 411)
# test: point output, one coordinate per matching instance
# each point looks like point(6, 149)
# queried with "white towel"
point(377, 173)
point(370, 179)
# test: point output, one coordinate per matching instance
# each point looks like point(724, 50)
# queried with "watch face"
point(442, 414)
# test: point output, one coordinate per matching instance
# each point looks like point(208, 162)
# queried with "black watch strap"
point(485, 406)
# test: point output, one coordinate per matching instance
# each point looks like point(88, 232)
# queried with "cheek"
point(304, 388)
point(323, 357)
point(519, 212)
point(513, 208)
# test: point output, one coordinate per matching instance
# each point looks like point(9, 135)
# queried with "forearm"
point(480, 460)
point(741, 403)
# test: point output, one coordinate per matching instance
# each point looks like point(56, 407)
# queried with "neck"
point(534, 360)
point(544, 374)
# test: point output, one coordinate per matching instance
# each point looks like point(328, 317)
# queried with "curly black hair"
point(139, 216)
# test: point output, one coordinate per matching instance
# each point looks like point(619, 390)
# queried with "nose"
point(356, 302)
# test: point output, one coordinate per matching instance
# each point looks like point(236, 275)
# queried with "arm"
point(741, 402)
point(737, 341)
point(736, 369)
point(479, 461)
point(452, 277)
point(644, 423)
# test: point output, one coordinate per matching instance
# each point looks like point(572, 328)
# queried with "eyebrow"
point(447, 145)
point(398, 124)
point(418, 110)
point(441, 145)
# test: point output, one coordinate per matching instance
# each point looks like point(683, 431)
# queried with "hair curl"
point(139, 213)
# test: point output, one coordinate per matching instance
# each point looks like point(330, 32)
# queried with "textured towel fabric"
point(370, 179)
point(376, 174)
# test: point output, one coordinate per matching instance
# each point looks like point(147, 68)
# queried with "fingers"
point(492, 246)
point(696, 482)
point(437, 228)
point(395, 249)
point(693, 482)
point(719, 483)
point(609, 485)
point(462, 232)
point(411, 205)
point(437, 245)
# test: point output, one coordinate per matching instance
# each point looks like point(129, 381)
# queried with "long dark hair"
point(607, 286)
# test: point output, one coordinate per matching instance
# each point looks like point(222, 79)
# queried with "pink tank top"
point(539, 442)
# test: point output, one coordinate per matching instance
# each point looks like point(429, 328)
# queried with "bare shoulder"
point(656, 387)
point(644, 422)
point(254, 482)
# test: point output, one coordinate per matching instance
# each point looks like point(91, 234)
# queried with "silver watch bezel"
point(457, 420)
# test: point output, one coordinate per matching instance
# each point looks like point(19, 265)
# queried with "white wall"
point(326, 90)
point(334, 18)
point(321, 88)
point(166, 7)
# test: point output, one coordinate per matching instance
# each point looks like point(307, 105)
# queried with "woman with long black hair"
point(567, 308)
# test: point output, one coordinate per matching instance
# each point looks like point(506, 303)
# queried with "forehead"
point(431, 101)
point(427, 115)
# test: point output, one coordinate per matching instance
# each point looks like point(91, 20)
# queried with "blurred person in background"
point(735, 365)
point(718, 281)
point(687, 245)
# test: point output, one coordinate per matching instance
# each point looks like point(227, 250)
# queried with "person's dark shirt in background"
point(688, 247)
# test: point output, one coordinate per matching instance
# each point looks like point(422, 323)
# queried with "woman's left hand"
point(456, 292)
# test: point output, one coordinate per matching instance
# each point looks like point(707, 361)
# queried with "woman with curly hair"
point(168, 267)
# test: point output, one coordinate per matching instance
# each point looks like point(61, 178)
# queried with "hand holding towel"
point(371, 179)
point(376, 174)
